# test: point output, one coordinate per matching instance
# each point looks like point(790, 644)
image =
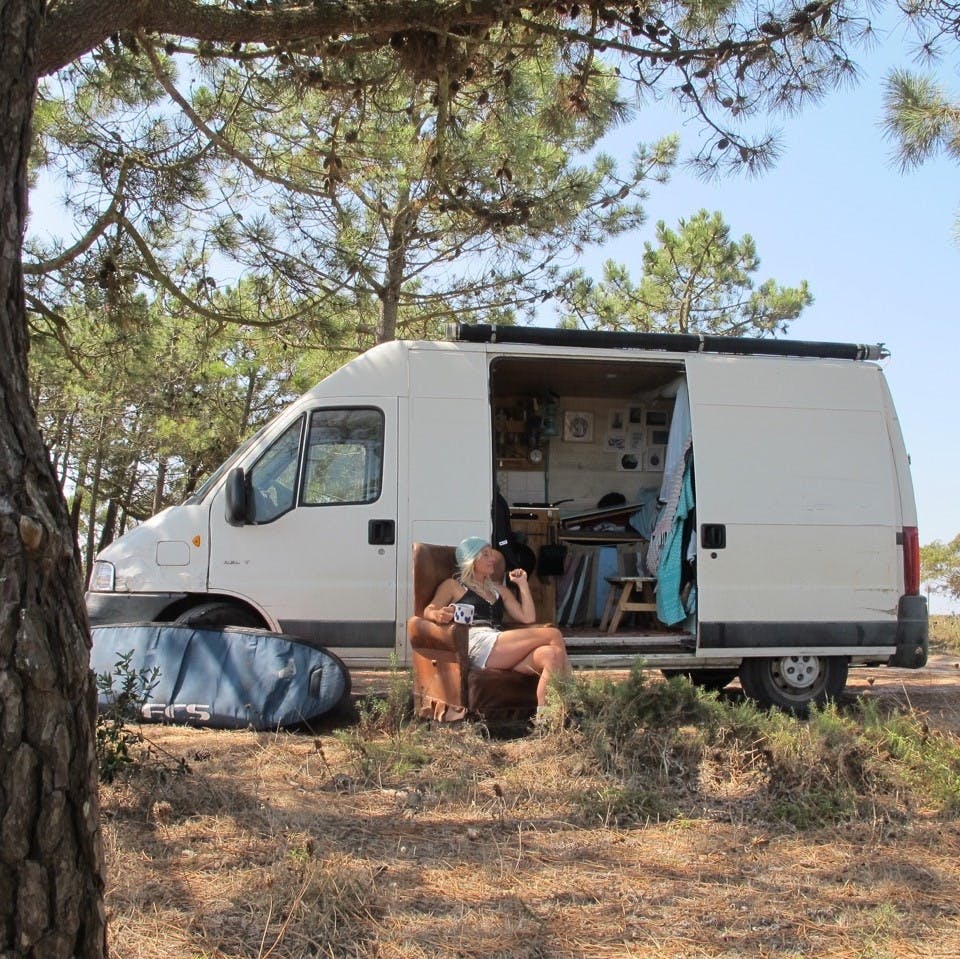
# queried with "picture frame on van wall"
point(577, 426)
point(654, 459)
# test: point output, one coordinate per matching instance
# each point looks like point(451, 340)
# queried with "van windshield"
point(200, 495)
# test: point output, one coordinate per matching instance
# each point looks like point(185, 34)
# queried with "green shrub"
point(659, 741)
point(389, 714)
point(384, 743)
point(923, 760)
point(125, 692)
point(637, 728)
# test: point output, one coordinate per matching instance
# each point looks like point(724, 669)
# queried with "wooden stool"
point(618, 599)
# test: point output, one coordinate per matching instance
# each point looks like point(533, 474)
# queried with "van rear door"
point(797, 505)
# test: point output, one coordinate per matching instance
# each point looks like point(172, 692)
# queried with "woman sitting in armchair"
point(535, 650)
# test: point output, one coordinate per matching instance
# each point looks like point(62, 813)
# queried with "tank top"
point(485, 613)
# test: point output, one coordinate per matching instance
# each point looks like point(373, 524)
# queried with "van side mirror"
point(237, 512)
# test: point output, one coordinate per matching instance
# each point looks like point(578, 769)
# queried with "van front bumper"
point(104, 609)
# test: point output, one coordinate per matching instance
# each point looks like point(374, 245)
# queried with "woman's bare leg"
point(536, 650)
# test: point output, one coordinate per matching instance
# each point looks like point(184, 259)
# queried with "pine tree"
point(697, 279)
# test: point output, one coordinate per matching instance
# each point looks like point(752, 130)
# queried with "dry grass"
point(945, 633)
point(294, 845)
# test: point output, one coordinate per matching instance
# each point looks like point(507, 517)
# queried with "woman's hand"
point(443, 615)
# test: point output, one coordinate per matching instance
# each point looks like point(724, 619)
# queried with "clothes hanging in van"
point(670, 579)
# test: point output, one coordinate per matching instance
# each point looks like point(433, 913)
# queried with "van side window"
point(344, 457)
point(273, 478)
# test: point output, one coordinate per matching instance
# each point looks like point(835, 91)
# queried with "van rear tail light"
point(911, 560)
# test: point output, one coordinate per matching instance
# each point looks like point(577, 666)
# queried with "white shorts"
point(480, 645)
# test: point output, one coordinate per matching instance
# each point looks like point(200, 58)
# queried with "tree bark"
point(161, 483)
point(51, 861)
point(94, 497)
point(76, 26)
point(109, 531)
point(395, 270)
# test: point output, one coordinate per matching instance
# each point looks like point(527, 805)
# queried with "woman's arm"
point(525, 611)
point(440, 608)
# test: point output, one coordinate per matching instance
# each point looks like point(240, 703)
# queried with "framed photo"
point(577, 426)
point(617, 421)
point(654, 458)
point(657, 418)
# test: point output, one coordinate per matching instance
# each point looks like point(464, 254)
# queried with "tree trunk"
point(109, 530)
point(51, 861)
point(395, 270)
point(158, 489)
point(94, 498)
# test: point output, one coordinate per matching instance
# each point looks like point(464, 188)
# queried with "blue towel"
point(670, 608)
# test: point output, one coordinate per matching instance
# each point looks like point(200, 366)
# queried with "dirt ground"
point(933, 690)
point(284, 845)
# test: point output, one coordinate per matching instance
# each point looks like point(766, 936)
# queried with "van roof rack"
point(672, 342)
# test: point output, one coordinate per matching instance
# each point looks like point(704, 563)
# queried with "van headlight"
point(103, 578)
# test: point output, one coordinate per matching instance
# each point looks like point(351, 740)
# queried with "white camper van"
point(754, 494)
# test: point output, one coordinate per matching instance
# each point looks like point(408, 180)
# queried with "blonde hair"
point(469, 579)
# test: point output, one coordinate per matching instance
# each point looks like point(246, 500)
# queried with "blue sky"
point(878, 248)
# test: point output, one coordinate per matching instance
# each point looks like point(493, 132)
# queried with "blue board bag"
point(229, 678)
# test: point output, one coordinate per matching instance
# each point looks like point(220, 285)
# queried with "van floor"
point(587, 642)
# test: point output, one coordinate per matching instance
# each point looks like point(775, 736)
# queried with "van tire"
point(219, 614)
point(793, 683)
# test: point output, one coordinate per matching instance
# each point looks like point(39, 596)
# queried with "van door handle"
point(713, 536)
point(381, 532)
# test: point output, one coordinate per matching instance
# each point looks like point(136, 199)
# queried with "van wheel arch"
point(219, 613)
point(794, 683)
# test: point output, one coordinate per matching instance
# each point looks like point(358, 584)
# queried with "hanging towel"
point(670, 608)
point(672, 488)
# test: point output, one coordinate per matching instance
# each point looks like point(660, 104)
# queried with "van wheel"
point(792, 683)
point(217, 615)
point(712, 679)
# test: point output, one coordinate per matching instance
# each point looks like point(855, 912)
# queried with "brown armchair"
point(445, 686)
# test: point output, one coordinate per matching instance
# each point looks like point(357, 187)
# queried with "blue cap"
point(469, 548)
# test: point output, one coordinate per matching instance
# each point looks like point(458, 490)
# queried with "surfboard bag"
point(221, 678)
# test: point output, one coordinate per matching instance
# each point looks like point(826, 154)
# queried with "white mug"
point(463, 613)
